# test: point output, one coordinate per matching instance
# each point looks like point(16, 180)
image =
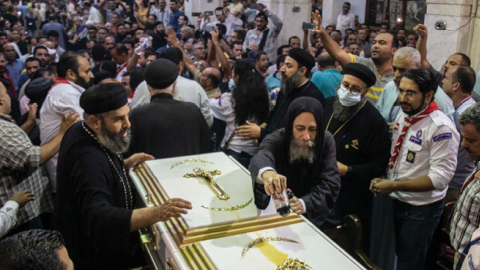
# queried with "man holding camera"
point(224, 17)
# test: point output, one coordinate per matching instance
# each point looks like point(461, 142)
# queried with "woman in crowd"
point(141, 13)
point(247, 103)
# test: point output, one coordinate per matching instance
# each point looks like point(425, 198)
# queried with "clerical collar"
point(161, 96)
point(303, 83)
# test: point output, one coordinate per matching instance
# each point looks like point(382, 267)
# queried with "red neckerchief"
point(130, 96)
point(58, 81)
point(408, 123)
point(122, 67)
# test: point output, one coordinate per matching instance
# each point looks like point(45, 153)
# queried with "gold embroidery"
point(264, 239)
point(294, 264)
point(207, 176)
point(192, 160)
point(230, 209)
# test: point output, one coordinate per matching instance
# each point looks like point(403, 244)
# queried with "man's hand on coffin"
point(274, 183)
point(136, 159)
point(296, 205)
point(249, 131)
point(173, 208)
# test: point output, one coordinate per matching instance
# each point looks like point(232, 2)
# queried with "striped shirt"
point(377, 89)
point(466, 214)
point(20, 170)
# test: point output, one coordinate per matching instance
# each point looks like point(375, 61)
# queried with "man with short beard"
point(261, 63)
point(383, 48)
point(295, 84)
point(73, 78)
point(300, 157)
point(159, 38)
point(362, 145)
point(423, 161)
point(94, 208)
point(121, 33)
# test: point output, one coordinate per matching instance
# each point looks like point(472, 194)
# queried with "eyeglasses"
point(408, 93)
point(353, 89)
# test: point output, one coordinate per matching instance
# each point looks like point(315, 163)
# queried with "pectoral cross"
point(207, 176)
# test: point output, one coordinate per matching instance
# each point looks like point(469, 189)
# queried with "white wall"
point(332, 8)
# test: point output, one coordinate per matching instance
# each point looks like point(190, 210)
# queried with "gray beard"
point(301, 150)
point(114, 142)
point(343, 113)
point(291, 83)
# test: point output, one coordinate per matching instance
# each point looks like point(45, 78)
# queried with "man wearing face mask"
point(74, 76)
point(362, 145)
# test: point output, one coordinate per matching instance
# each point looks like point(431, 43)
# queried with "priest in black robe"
point(362, 143)
point(94, 207)
point(295, 84)
point(300, 157)
point(166, 127)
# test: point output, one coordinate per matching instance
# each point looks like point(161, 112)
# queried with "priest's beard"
point(343, 113)
point(115, 142)
point(290, 83)
point(302, 150)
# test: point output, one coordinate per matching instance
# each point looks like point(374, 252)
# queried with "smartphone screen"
point(307, 25)
point(208, 13)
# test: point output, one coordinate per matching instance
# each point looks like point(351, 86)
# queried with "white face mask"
point(231, 85)
point(348, 98)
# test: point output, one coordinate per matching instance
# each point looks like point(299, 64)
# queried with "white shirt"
point(61, 100)
point(222, 109)
point(429, 149)
point(186, 90)
point(8, 217)
point(94, 15)
point(232, 23)
point(345, 21)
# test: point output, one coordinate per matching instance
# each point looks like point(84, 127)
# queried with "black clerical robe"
point(276, 119)
point(90, 207)
point(318, 193)
point(363, 144)
point(169, 128)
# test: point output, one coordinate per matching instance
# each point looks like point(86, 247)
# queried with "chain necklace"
point(128, 203)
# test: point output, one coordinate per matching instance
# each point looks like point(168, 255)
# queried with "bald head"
point(210, 79)
point(9, 51)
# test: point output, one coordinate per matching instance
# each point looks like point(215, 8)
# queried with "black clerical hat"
point(37, 89)
point(360, 71)
point(103, 98)
point(303, 57)
point(100, 76)
point(161, 73)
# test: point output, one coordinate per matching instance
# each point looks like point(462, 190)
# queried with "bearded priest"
point(362, 143)
point(94, 208)
point(300, 157)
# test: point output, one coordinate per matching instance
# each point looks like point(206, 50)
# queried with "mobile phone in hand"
point(256, 6)
point(307, 25)
point(208, 13)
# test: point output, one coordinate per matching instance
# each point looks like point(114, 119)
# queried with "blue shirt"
point(15, 70)
point(23, 79)
point(273, 82)
point(174, 19)
point(327, 81)
point(24, 9)
point(388, 97)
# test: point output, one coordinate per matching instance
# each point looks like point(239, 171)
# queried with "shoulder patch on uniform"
point(442, 137)
point(438, 120)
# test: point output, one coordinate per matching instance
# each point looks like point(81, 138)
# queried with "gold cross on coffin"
point(207, 176)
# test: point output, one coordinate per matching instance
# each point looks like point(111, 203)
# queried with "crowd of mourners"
point(351, 118)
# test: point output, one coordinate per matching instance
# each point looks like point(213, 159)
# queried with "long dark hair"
point(250, 97)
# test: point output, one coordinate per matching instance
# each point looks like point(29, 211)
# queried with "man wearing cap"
point(63, 98)
point(181, 131)
point(295, 84)
point(102, 77)
point(423, 161)
point(362, 142)
point(94, 207)
point(255, 39)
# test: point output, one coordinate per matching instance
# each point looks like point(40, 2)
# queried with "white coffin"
point(314, 248)
point(233, 180)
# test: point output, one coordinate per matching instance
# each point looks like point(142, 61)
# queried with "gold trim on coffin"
point(264, 239)
point(294, 264)
point(185, 237)
point(203, 161)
